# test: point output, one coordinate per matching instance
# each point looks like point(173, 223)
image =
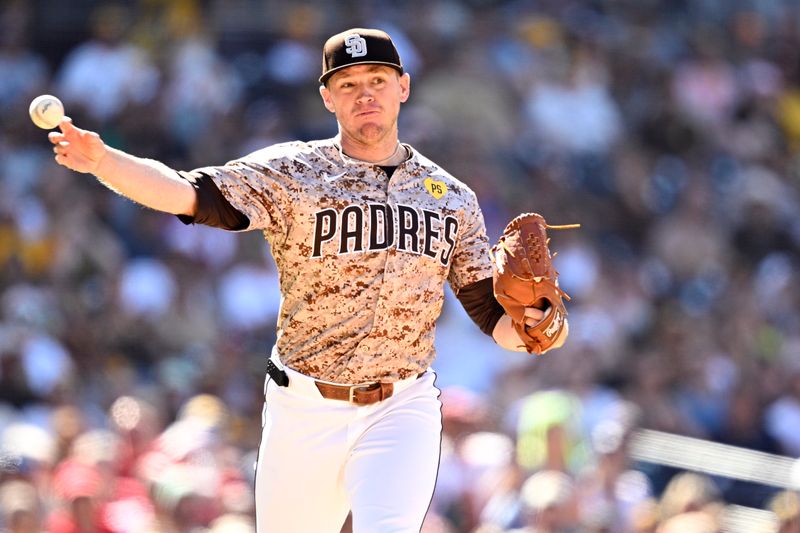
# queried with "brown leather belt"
point(357, 394)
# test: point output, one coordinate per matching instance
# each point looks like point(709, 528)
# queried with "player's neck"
point(388, 153)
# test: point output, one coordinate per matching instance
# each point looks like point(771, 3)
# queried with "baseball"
point(46, 111)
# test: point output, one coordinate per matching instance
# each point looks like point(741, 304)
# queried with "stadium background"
point(132, 348)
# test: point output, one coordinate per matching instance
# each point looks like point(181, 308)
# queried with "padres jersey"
point(362, 257)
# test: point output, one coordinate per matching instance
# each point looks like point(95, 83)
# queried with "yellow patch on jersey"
point(436, 188)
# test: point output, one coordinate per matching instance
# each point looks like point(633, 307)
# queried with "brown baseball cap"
point(358, 46)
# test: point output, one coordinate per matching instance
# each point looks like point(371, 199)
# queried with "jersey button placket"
point(380, 193)
point(372, 345)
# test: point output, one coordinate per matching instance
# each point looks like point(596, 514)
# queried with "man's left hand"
point(534, 315)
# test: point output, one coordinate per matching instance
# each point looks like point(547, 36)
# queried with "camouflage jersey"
point(362, 258)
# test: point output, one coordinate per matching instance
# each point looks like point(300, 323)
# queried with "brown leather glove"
point(524, 277)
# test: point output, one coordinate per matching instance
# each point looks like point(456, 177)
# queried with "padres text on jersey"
point(357, 228)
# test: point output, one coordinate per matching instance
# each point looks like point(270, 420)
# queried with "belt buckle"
point(363, 388)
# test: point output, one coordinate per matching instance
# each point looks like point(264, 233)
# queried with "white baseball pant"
point(321, 458)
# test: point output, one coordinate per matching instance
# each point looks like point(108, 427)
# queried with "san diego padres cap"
point(358, 46)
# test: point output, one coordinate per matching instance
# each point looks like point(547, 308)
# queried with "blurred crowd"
point(132, 347)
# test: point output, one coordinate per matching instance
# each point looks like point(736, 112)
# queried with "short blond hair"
point(786, 505)
point(685, 492)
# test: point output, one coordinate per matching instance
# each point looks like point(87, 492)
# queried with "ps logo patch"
point(437, 189)
point(356, 45)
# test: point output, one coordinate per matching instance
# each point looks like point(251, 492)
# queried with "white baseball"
point(46, 111)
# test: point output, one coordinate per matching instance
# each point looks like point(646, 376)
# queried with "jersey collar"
point(347, 160)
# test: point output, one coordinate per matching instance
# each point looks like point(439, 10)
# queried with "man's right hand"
point(77, 149)
point(145, 181)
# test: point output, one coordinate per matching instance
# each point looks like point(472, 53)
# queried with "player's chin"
point(371, 131)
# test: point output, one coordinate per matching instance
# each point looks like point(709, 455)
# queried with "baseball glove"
point(523, 276)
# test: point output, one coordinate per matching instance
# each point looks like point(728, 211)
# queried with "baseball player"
point(365, 231)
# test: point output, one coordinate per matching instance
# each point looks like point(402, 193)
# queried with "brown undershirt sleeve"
point(480, 304)
point(212, 207)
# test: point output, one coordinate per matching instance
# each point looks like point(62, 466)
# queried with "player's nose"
point(364, 94)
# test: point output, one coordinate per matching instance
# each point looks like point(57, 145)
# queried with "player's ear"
point(405, 87)
point(326, 98)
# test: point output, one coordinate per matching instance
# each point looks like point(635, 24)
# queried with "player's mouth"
point(368, 112)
